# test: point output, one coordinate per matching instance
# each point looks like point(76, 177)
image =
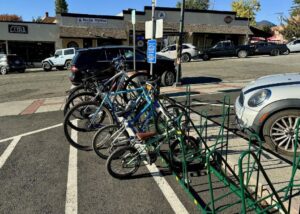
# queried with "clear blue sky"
point(33, 8)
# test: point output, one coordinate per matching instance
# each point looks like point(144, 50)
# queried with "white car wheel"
point(280, 131)
point(3, 70)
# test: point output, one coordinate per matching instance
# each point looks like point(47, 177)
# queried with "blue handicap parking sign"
point(151, 51)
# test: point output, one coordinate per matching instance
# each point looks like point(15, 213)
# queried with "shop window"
point(72, 44)
point(69, 52)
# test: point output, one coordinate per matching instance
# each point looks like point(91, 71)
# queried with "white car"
point(61, 59)
point(270, 107)
point(189, 51)
point(294, 46)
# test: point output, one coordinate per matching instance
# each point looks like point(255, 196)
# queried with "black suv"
point(97, 60)
point(10, 63)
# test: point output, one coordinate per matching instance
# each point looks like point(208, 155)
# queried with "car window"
point(297, 42)
point(98, 56)
point(128, 53)
point(185, 47)
point(112, 53)
point(69, 52)
point(58, 53)
point(227, 44)
point(172, 48)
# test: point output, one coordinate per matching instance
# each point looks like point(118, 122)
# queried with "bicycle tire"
point(117, 156)
point(103, 137)
point(71, 102)
point(88, 127)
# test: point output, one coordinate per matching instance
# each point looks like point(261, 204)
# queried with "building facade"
point(35, 41)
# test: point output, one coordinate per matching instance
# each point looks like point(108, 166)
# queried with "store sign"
point(22, 29)
point(228, 19)
point(91, 21)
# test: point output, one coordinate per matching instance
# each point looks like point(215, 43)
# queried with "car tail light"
point(74, 69)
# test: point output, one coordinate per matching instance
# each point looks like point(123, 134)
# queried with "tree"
point(292, 26)
point(61, 6)
point(195, 4)
point(246, 9)
point(10, 17)
point(37, 19)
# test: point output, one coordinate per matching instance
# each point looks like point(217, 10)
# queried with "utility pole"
point(179, 45)
point(133, 37)
point(153, 30)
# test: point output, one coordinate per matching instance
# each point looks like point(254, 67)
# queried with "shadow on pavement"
point(197, 80)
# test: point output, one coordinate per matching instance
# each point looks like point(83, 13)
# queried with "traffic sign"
point(151, 51)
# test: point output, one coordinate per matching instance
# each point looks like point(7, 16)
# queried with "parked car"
point(189, 52)
point(227, 49)
point(270, 48)
point(270, 107)
point(61, 59)
point(10, 63)
point(294, 46)
point(95, 60)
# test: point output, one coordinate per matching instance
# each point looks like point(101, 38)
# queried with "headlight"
point(259, 97)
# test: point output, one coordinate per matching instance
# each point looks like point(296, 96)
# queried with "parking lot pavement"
point(41, 173)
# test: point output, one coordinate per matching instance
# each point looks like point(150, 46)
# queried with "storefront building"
point(84, 30)
point(32, 41)
point(36, 41)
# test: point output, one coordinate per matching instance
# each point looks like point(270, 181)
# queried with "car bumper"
point(244, 116)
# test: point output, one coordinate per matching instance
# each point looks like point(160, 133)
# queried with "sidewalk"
point(57, 103)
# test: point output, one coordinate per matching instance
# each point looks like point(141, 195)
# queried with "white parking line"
point(167, 190)
point(8, 151)
point(72, 193)
point(30, 133)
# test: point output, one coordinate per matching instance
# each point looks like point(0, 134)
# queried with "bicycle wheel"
point(135, 81)
point(82, 121)
point(191, 148)
point(78, 98)
point(177, 115)
point(123, 162)
point(108, 138)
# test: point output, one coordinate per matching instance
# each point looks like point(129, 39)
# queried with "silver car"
point(294, 46)
point(270, 107)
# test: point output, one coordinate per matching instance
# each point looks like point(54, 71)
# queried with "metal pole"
point(179, 45)
point(6, 46)
point(134, 47)
point(153, 30)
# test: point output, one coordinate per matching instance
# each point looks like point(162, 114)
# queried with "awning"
point(92, 32)
point(202, 28)
point(259, 33)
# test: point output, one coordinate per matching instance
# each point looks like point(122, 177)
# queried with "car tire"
point(21, 71)
point(279, 125)
point(275, 52)
point(186, 57)
point(205, 57)
point(287, 52)
point(68, 64)
point(3, 70)
point(168, 78)
point(47, 66)
point(242, 54)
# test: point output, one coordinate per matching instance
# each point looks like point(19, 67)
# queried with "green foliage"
point(61, 6)
point(246, 9)
point(292, 29)
point(195, 4)
point(296, 8)
point(37, 19)
point(10, 17)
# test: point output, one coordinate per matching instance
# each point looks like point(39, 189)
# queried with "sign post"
point(133, 20)
point(153, 33)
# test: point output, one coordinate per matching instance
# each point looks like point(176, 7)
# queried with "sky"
point(34, 8)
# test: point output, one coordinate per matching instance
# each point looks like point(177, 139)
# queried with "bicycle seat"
point(145, 135)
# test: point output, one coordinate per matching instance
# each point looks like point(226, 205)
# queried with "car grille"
point(241, 99)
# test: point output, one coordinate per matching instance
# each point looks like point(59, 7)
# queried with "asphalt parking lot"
point(41, 173)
